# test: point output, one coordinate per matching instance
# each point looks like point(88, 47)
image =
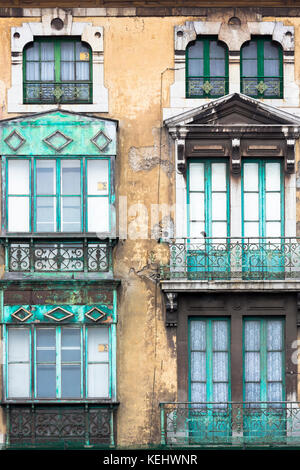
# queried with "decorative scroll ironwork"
point(260, 423)
point(33, 425)
point(233, 258)
point(262, 86)
point(38, 256)
point(49, 92)
point(204, 86)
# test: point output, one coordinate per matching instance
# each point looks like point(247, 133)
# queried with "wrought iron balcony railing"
point(233, 258)
point(44, 255)
point(229, 424)
point(64, 92)
point(59, 426)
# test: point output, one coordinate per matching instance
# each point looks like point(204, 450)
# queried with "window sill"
point(101, 401)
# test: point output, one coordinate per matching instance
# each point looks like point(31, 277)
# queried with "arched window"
point(206, 68)
point(261, 68)
point(57, 70)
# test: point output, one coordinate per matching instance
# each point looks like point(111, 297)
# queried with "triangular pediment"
point(234, 109)
point(58, 132)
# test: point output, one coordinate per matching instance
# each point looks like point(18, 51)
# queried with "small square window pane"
point(98, 380)
point(251, 208)
point(219, 230)
point(70, 381)
point(273, 229)
point(71, 345)
point(197, 206)
point(32, 51)
point(196, 229)
point(198, 366)
point(18, 344)
point(196, 171)
point(275, 391)
point(18, 214)
point(47, 71)
point(271, 50)
point(271, 68)
point(18, 381)
point(81, 49)
point(217, 68)
point(218, 177)
point(45, 214)
point(216, 50)
point(32, 70)
point(46, 381)
point(196, 67)
point(97, 344)
point(67, 51)
point(274, 335)
point(252, 336)
point(250, 69)
point(220, 335)
point(67, 71)
point(18, 176)
point(98, 214)
point(252, 366)
point(249, 50)
point(198, 392)
point(45, 177)
point(47, 51)
point(70, 177)
point(274, 366)
point(82, 70)
point(273, 206)
point(196, 50)
point(251, 229)
point(45, 337)
point(220, 367)
point(71, 214)
point(220, 393)
point(198, 335)
point(97, 177)
point(273, 176)
point(252, 392)
point(219, 206)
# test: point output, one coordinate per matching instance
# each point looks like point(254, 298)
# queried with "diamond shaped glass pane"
point(22, 314)
point(101, 140)
point(95, 314)
point(58, 141)
point(58, 314)
point(14, 140)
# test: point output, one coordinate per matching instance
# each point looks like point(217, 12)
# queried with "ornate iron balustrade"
point(64, 92)
point(228, 424)
point(206, 86)
point(65, 425)
point(233, 258)
point(40, 255)
point(267, 87)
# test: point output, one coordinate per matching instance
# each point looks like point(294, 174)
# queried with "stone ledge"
point(233, 286)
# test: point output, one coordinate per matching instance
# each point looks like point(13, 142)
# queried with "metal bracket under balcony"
point(230, 424)
point(57, 256)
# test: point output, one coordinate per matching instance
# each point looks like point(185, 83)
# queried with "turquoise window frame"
point(58, 82)
point(206, 68)
point(32, 191)
point(260, 41)
point(207, 192)
point(84, 361)
point(209, 355)
point(263, 355)
point(262, 185)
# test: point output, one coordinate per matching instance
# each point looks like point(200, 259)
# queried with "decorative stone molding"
point(235, 160)
point(62, 26)
point(171, 308)
point(234, 34)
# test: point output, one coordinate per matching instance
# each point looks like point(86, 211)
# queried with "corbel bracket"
point(171, 308)
point(181, 160)
point(235, 161)
point(289, 163)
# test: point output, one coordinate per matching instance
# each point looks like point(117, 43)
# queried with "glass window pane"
point(220, 393)
point(275, 392)
point(32, 71)
point(250, 68)
point(196, 50)
point(18, 176)
point(273, 229)
point(197, 206)
point(273, 209)
point(251, 209)
point(220, 335)
point(271, 50)
point(46, 381)
point(219, 206)
point(274, 366)
point(18, 381)
point(196, 68)
point(250, 177)
point(251, 229)
point(196, 177)
point(98, 214)
point(196, 229)
point(70, 177)
point(198, 335)
point(45, 177)
point(271, 68)
point(97, 344)
point(32, 51)
point(198, 366)
point(67, 51)
point(97, 177)
point(217, 68)
point(82, 71)
point(249, 50)
point(45, 345)
point(71, 345)
point(218, 177)
point(82, 51)
point(273, 176)
point(252, 366)
point(18, 214)
point(47, 71)
point(216, 50)
point(274, 335)
point(198, 392)
point(98, 380)
point(219, 229)
point(252, 336)
point(67, 71)
point(71, 214)
point(45, 214)
point(47, 51)
point(252, 392)
point(220, 367)
point(70, 381)
point(18, 344)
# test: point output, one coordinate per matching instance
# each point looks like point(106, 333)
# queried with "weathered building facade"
point(150, 282)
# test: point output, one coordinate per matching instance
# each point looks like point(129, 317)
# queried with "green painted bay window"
point(58, 362)
point(58, 195)
point(262, 68)
point(57, 71)
point(206, 68)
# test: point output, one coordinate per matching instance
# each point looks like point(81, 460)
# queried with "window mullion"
point(57, 61)
point(260, 62)
point(206, 68)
